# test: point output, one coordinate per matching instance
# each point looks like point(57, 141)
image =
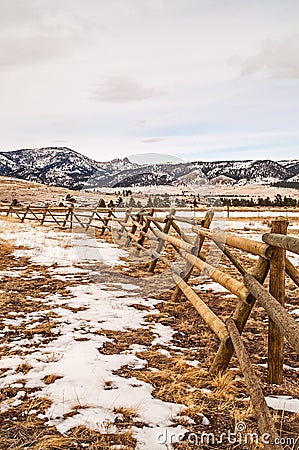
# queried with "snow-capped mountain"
point(59, 166)
point(64, 167)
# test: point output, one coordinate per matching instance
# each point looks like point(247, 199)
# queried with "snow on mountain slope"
point(64, 167)
point(294, 178)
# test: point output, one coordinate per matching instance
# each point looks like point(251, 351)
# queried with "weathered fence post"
point(240, 316)
point(31, 210)
point(133, 229)
point(71, 216)
point(123, 227)
point(25, 214)
point(106, 221)
point(90, 220)
point(161, 242)
point(9, 210)
point(68, 216)
point(197, 248)
point(44, 216)
point(286, 323)
point(77, 217)
point(264, 419)
point(277, 289)
point(145, 228)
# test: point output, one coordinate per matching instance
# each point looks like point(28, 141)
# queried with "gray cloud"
point(122, 90)
point(279, 59)
point(29, 50)
point(29, 14)
point(141, 123)
point(35, 31)
point(16, 13)
point(153, 140)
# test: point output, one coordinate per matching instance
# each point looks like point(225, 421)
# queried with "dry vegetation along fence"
point(139, 228)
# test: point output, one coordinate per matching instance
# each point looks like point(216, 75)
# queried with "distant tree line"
point(260, 201)
point(287, 184)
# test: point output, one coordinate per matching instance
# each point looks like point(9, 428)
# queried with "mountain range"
point(61, 166)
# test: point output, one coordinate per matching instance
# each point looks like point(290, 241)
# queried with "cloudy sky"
point(199, 79)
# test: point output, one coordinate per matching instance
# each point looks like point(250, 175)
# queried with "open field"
point(90, 359)
point(39, 194)
point(247, 190)
point(28, 192)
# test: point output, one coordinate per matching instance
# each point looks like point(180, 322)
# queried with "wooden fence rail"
point(280, 240)
point(141, 229)
point(285, 322)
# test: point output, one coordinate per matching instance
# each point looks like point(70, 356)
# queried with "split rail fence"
point(187, 235)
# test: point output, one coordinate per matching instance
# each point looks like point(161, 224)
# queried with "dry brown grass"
point(51, 378)
point(24, 368)
point(6, 247)
point(225, 386)
point(221, 399)
point(23, 428)
point(43, 328)
point(122, 340)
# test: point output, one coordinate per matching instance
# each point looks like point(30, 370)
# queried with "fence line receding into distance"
point(141, 228)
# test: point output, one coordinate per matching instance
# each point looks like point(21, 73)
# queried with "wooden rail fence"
point(141, 228)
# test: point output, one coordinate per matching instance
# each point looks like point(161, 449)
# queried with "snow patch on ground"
point(86, 378)
point(283, 403)
point(47, 245)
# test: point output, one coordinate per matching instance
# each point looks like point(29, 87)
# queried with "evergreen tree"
point(150, 203)
point(132, 203)
point(166, 200)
